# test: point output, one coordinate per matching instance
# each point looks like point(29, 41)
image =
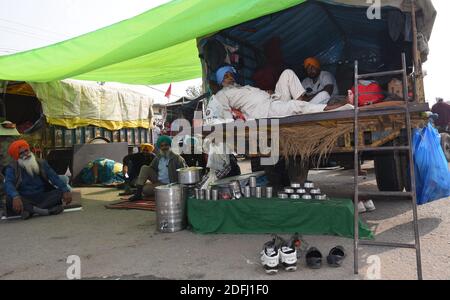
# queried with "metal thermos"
point(197, 193)
point(207, 194)
point(248, 192)
point(269, 192)
point(215, 195)
point(202, 195)
point(258, 192)
point(252, 181)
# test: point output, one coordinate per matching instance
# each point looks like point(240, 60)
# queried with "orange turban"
point(148, 147)
point(312, 61)
point(15, 147)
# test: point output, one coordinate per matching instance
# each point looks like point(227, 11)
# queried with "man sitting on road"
point(133, 163)
point(31, 185)
point(320, 85)
point(162, 170)
point(254, 103)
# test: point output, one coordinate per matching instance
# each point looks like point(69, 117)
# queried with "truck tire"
point(445, 143)
point(389, 173)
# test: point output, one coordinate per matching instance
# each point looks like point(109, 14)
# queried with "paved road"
point(124, 244)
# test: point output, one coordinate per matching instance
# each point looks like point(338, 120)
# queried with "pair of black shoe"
point(335, 257)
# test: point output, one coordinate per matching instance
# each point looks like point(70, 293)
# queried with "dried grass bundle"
point(312, 139)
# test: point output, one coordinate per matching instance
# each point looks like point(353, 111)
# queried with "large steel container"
point(170, 208)
point(190, 175)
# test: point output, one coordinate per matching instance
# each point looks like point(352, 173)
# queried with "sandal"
point(336, 257)
point(314, 258)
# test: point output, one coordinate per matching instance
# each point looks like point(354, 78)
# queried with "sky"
point(28, 24)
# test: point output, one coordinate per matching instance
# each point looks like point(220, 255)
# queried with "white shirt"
point(156, 132)
point(217, 113)
point(325, 78)
point(252, 102)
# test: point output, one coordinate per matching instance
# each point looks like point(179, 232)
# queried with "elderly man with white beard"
point(32, 186)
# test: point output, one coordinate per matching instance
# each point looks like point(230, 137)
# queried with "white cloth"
point(252, 102)
point(217, 113)
point(156, 132)
point(288, 86)
point(282, 108)
point(325, 78)
point(321, 98)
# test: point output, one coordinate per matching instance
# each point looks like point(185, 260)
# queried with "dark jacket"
point(19, 182)
point(175, 162)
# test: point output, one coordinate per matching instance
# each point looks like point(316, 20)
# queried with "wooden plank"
point(375, 111)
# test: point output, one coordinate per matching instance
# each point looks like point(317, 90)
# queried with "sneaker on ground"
point(361, 207)
point(270, 256)
point(288, 256)
point(369, 205)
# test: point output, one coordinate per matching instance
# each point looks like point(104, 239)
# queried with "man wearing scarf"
point(31, 185)
point(162, 170)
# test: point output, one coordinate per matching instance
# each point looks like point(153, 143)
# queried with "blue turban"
point(220, 74)
point(164, 139)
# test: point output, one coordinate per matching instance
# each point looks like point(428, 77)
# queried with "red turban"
point(312, 61)
point(15, 147)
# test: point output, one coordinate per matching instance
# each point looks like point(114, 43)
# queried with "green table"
point(264, 216)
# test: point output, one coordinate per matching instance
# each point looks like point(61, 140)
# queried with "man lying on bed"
point(254, 103)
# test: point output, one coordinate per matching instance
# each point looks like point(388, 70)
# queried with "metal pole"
point(412, 173)
point(3, 100)
point(356, 166)
point(417, 68)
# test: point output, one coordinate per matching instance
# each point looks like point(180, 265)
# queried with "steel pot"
point(315, 192)
point(301, 191)
point(283, 196)
point(289, 190)
point(309, 185)
point(306, 197)
point(190, 175)
point(171, 213)
point(320, 197)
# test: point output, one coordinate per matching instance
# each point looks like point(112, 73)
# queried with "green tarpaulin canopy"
point(159, 45)
point(155, 47)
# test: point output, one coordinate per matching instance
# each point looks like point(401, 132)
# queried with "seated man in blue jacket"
point(31, 185)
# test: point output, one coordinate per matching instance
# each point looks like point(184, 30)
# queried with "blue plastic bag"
point(431, 167)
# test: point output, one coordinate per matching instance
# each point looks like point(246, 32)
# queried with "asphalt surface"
point(121, 244)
